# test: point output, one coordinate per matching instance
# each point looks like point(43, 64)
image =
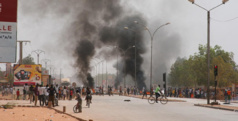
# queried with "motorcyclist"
point(88, 95)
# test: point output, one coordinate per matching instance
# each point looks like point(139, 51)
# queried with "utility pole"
point(38, 52)
point(20, 43)
point(45, 60)
point(208, 43)
point(60, 75)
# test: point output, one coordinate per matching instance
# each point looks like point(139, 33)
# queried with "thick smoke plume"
point(90, 25)
point(101, 24)
point(84, 51)
point(127, 41)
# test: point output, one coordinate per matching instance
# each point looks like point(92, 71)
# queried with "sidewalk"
point(221, 107)
point(201, 102)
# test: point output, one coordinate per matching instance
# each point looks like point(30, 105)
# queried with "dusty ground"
point(6, 97)
point(33, 114)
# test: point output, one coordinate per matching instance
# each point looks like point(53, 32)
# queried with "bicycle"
point(76, 109)
point(163, 99)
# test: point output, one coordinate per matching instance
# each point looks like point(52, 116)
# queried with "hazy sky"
point(44, 29)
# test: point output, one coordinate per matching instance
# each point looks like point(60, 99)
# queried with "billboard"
point(8, 30)
point(30, 74)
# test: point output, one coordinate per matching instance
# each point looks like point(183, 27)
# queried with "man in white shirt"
point(57, 90)
point(26, 88)
point(41, 95)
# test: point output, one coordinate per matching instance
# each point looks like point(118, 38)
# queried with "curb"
point(221, 108)
point(56, 110)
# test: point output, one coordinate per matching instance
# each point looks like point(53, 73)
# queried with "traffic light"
point(215, 70)
point(164, 77)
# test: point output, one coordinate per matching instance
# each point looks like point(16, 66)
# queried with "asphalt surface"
point(114, 108)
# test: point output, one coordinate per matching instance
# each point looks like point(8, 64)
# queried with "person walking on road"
point(41, 95)
point(57, 92)
point(64, 92)
point(52, 92)
point(128, 91)
point(144, 92)
point(36, 92)
point(157, 93)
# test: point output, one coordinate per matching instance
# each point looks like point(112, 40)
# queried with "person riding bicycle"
point(79, 99)
point(157, 93)
point(88, 95)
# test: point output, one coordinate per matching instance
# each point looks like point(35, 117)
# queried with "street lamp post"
point(151, 37)
point(208, 43)
point(45, 60)
point(127, 28)
point(38, 52)
point(124, 53)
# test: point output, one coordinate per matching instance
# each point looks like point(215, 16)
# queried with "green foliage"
point(192, 72)
point(28, 60)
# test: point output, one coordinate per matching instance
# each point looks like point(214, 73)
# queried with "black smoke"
point(127, 41)
point(93, 24)
point(83, 53)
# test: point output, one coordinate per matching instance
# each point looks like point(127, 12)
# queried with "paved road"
point(114, 108)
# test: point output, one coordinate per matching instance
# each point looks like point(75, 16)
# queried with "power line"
point(228, 20)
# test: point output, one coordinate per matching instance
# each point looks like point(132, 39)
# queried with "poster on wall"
point(30, 74)
point(8, 30)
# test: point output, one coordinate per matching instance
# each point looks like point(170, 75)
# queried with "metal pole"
point(102, 73)
point(151, 63)
point(60, 75)
point(117, 63)
point(38, 58)
point(38, 52)
point(135, 64)
point(20, 62)
point(208, 57)
point(106, 74)
point(21, 48)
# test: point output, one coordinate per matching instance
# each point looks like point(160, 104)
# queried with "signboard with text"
point(27, 74)
point(8, 30)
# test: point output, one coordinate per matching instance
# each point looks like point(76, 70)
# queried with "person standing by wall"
point(41, 95)
point(52, 92)
point(46, 94)
point(18, 94)
point(31, 91)
point(26, 87)
point(229, 96)
point(13, 93)
point(225, 95)
point(71, 94)
point(24, 94)
point(64, 92)
point(36, 92)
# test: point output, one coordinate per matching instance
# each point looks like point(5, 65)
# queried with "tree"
point(28, 60)
point(193, 71)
